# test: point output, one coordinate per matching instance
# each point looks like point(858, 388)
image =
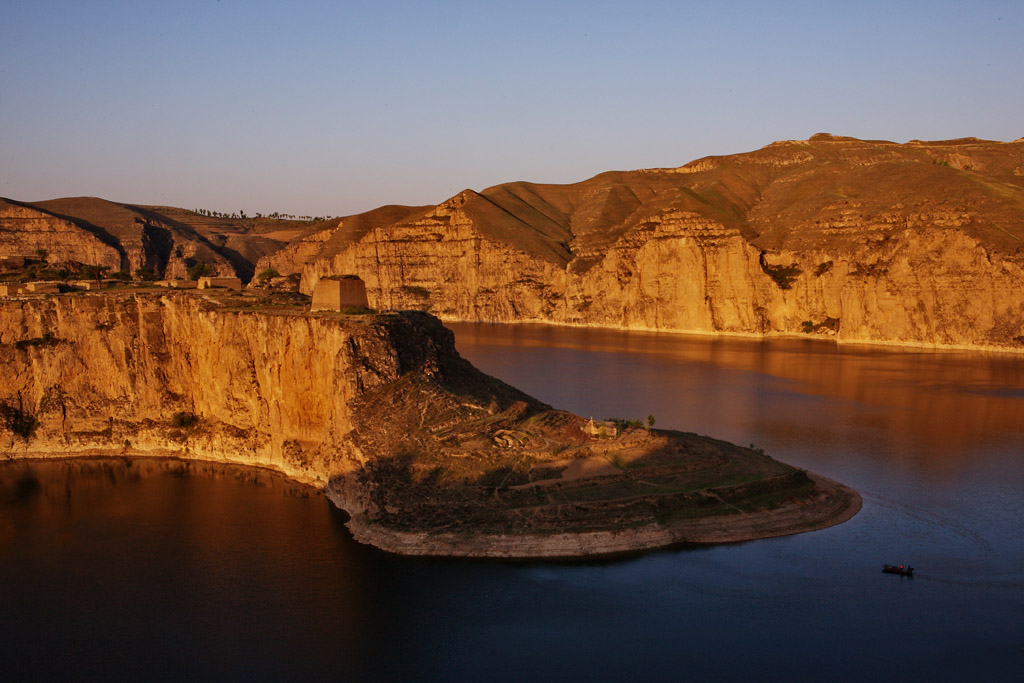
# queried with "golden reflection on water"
point(214, 505)
point(59, 486)
point(215, 547)
point(942, 404)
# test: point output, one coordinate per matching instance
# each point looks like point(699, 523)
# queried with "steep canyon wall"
point(929, 287)
point(860, 241)
point(176, 374)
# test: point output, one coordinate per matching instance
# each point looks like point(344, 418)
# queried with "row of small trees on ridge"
point(241, 215)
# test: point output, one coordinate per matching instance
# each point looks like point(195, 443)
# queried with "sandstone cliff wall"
point(862, 241)
point(924, 286)
point(23, 230)
point(443, 264)
point(107, 374)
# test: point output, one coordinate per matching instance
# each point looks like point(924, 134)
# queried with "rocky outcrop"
point(443, 263)
point(165, 240)
point(427, 454)
point(177, 375)
point(326, 240)
point(24, 230)
point(860, 241)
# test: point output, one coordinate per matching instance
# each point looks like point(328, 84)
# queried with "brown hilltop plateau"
point(164, 240)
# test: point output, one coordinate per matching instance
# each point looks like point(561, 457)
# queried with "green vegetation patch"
point(46, 340)
point(201, 269)
point(784, 276)
point(826, 325)
point(624, 423)
point(183, 419)
point(267, 275)
point(358, 310)
point(18, 421)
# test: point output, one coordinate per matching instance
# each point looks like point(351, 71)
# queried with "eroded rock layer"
point(179, 374)
point(147, 241)
point(919, 243)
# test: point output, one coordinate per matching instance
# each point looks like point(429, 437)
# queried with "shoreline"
point(395, 427)
point(834, 504)
point(756, 336)
point(100, 454)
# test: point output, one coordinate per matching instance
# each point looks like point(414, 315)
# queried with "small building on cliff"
point(42, 287)
point(604, 428)
point(338, 292)
point(178, 284)
point(227, 282)
point(11, 262)
point(11, 288)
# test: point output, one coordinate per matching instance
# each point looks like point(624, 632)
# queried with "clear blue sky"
point(338, 107)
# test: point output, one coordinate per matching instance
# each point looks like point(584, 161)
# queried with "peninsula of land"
point(426, 454)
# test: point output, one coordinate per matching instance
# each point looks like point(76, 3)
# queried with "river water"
point(123, 570)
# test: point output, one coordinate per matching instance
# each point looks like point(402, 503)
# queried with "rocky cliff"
point(918, 243)
point(855, 240)
point(179, 374)
point(163, 240)
point(24, 230)
point(427, 454)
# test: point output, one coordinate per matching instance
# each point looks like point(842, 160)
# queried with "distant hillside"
point(859, 240)
point(165, 240)
point(919, 243)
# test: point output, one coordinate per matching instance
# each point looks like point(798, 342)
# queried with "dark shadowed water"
point(134, 570)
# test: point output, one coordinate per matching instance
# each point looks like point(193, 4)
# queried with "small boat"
point(901, 569)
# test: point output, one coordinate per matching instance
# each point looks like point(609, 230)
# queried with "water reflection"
point(141, 569)
point(938, 407)
point(170, 560)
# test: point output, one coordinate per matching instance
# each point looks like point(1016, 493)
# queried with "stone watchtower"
point(338, 292)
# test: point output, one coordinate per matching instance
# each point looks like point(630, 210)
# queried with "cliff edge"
point(919, 243)
point(425, 453)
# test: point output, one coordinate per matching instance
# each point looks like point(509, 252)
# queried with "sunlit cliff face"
point(834, 237)
point(116, 373)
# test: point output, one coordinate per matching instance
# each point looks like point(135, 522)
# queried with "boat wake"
point(930, 518)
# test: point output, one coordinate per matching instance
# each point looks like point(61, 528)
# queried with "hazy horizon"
point(334, 110)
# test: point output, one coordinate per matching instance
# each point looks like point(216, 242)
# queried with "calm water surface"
point(146, 569)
